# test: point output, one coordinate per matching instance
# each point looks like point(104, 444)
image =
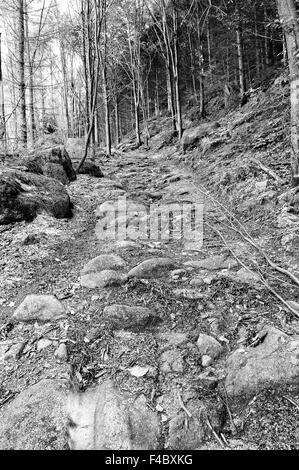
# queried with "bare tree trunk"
point(105, 92)
point(117, 126)
point(21, 64)
point(289, 20)
point(3, 136)
point(107, 112)
point(85, 68)
point(32, 127)
point(157, 100)
point(240, 63)
point(176, 74)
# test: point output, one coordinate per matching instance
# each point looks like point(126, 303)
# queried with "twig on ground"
point(183, 406)
point(292, 401)
point(215, 434)
point(267, 170)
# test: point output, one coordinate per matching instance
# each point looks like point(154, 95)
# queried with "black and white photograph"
point(149, 228)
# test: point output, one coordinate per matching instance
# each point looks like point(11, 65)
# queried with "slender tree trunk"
point(157, 100)
point(107, 111)
point(266, 40)
point(240, 63)
point(257, 46)
point(21, 64)
point(209, 46)
point(176, 75)
point(64, 72)
point(116, 111)
point(85, 67)
point(32, 127)
point(105, 92)
point(289, 20)
point(3, 136)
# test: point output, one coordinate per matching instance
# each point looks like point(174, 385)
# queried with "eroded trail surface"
point(156, 344)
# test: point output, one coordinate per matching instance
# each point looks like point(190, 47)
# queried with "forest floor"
point(201, 293)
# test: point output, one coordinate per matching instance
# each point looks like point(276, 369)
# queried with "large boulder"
point(193, 136)
point(36, 418)
point(52, 162)
point(103, 418)
point(41, 308)
point(153, 268)
point(91, 169)
point(272, 363)
point(24, 195)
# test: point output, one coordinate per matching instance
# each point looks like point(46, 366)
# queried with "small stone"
point(15, 351)
point(171, 361)
point(41, 308)
point(208, 380)
point(93, 335)
point(213, 263)
point(130, 318)
point(103, 263)
point(43, 344)
point(103, 279)
point(153, 268)
point(209, 346)
point(206, 361)
point(177, 273)
point(172, 339)
point(61, 353)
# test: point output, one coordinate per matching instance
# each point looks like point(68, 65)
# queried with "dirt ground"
point(47, 256)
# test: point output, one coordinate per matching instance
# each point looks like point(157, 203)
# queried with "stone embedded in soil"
point(61, 353)
point(103, 263)
point(43, 343)
point(172, 339)
point(206, 361)
point(273, 363)
point(36, 418)
point(89, 168)
point(107, 278)
point(209, 346)
point(153, 268)
point(104, 419)
point(40, 308)
point(245, 276)
point(15, 351)
point(213, 263)
point(197, 432)
point(171, 361)
point(131, 318)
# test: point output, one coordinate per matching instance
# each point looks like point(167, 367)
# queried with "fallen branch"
point(267, 170)
point(229, 216)
point(269, 261)
point(262, 279)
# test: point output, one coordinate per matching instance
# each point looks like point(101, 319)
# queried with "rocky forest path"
point(147, 330)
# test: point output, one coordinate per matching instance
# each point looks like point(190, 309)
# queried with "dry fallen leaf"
point(138, 371)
